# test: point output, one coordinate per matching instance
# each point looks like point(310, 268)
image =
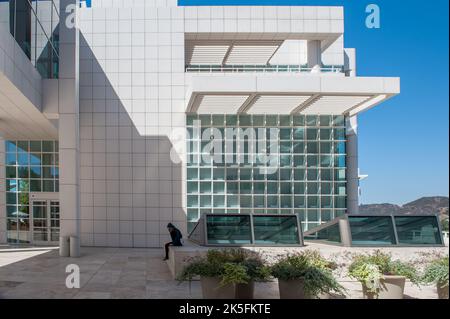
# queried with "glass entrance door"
point(45, 221)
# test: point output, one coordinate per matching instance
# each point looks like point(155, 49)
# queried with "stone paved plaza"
point(130, 273)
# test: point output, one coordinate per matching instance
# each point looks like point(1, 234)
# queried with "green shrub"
point(232, 266)
point(437, 273)
point(445, 225)
point(370, 269)
point(310, 267)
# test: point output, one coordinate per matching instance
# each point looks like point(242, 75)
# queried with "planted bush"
point(309, 268)
point(437, 273)
point(371, 269)
point(232, 266)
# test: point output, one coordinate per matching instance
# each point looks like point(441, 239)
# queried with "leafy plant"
point(437, 273)
point(370, 269)
point(234, 274)
point(233, 266)
point(310, 267)
point(445, 225)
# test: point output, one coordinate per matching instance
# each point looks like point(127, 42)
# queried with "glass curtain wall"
point(310, 179)
point(31, 166)
point(35, 26)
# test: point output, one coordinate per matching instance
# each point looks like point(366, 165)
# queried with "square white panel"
point(220, 104)
point(276, 104)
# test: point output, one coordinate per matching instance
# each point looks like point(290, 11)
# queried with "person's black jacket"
point(176, 236)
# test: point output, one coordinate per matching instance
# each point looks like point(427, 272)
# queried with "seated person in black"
point(176, 236)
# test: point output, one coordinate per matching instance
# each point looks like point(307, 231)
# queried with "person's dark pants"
point(166, 246)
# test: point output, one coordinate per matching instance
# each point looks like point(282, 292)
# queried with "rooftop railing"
point(263, 69)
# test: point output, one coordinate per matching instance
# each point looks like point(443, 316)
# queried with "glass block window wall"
point(309, 180)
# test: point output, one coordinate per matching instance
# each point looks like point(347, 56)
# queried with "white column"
point(69, 121)
point(352, 165)
point(2, 192)
point(314, 54)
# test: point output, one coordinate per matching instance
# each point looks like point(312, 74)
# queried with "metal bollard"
point(74, 246)
point(64, 246)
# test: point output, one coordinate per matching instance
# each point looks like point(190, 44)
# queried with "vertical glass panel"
point(48, 186)
point(271, 120)
point(312, 147)
point(299, 202)
point(285, 201)
point(190, 119)
point(219, 188)
point(258, 120)
point(22, 146)
point(228, 230)
point(325, 134)
point(418, 230)
point(11, 159)
point(312, 134)
point(299, 133)
point(47, 146)
point(232, 201)
point(339, 148)
point(205, 120)
point(10, 171)
point(272, 201)
point(338, 120)
point(192, 201)
point(313, 188)
point(218, 120)
point(11, 146)
point(326, 202)
point(259, 201)
point(192, 187)
point(276, 230)
point(313, 201)
point(219, 174)
point(311, 120)
point(285, 120)
point(339, 133)
point(205, 200)
point(325, 120)
point(326, 147)
point(299, 120)
point(219, 201)
point(340, 202)
point(372, 231)
point(231, 120)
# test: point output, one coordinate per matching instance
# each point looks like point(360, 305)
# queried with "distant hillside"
point(424, 205)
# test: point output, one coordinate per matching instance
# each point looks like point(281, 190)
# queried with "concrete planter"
point(442, 292)
point(392, 287)
point(211, 289)
point(292, 289)
point(245, 291)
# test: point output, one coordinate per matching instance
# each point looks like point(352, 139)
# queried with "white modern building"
point(100, 101)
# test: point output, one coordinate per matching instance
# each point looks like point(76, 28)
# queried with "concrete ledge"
point(180, 256)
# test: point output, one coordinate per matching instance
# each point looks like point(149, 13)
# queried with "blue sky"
point(403, 144)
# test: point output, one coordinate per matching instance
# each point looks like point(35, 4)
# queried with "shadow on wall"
point(130, 188)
